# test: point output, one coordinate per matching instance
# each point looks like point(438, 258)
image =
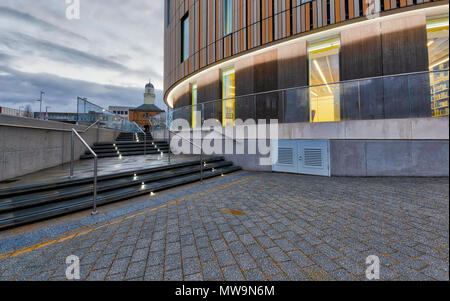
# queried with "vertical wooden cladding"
point(267, 28)
point(239, 26)
point(282, 20)
point(211, 31)
point(254, 23)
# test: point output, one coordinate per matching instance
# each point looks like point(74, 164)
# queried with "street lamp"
point(20, 110)
point(46, 111)
point(40, 104)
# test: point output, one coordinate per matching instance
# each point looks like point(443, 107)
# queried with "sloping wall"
point(26, 150)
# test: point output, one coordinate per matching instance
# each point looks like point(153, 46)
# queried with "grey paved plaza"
point(248, 226)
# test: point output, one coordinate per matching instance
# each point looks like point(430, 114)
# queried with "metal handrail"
point(193, 144)
point(76, 134)
point(145, 137)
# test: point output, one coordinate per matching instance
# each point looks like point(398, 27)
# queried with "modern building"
point(123, 112)
point(14, 112)
point(58, 116)
point(368, 78)
point(142, 114)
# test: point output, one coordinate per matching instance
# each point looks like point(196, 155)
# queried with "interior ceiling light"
point(322, 76)
point(438, 63)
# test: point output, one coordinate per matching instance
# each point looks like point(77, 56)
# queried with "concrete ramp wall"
point(29, 145)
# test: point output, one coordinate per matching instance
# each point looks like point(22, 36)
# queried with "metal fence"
point(88, 113)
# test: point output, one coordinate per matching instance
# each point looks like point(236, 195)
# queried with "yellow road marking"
point(62, 239)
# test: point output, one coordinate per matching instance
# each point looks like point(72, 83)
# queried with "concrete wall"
point(390, 147)
point(24, 150)
point(368, 158)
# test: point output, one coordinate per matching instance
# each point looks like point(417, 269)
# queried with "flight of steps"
point(26, 204)
point(128, 144)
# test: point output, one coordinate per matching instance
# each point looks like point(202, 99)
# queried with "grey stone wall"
point(369, 158)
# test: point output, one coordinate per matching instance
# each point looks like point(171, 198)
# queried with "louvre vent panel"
point(310, 157)
point(313, 157)
point(285, 156)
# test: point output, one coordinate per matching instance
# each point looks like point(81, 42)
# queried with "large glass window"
point(194, 105)
point(323, 71)
point(228, 94)
point(438, 57)
point(185, 38)
point(227, 17)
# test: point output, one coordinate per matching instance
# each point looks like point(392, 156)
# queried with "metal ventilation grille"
point(313, 157)
point(285, 156)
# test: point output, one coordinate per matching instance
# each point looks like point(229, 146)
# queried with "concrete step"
point(32, 199)
point(7, 192)
point(27, 204)
point(123, 154)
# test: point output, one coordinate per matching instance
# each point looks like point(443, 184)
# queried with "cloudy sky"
point(108, 55)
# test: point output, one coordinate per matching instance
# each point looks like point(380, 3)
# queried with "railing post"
point(201, 143)
point(72, 155)
point(169, 146)
point(95, 212)
point(145, 144)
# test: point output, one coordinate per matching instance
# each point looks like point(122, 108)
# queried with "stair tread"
point(42, 186)
point(54, 209)
point(35, 198)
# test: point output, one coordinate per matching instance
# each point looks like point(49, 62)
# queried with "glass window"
point(167, 13)
point(228, 94)
point(323, 72)
point(194, 105)
point(438, 57)
point(227, 17)
point(185, 38)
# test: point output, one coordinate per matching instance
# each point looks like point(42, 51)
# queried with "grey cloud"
point(21, 88)
point(43, 25)
point(119, 39)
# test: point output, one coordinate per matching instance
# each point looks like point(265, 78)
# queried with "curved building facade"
point(307, 61)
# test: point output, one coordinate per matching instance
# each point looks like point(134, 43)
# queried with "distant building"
point(123, 112)
point(59, 116)
point(14, 112)
point(142, 114)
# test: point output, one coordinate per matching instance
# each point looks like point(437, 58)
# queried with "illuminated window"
point(228, 94)
point(185, 38)
point(323, 72)
point(227, 17)
point(438, 58)
point(194, 105)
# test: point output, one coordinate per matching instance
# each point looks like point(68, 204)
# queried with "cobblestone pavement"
point(263, 226)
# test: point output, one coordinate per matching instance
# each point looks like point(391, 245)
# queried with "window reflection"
point(194, 105)
point(323, 71)
point(438, 57)
point(228, 94)
point(185, 37)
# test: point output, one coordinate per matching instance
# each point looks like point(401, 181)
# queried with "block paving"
point(263, 226)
